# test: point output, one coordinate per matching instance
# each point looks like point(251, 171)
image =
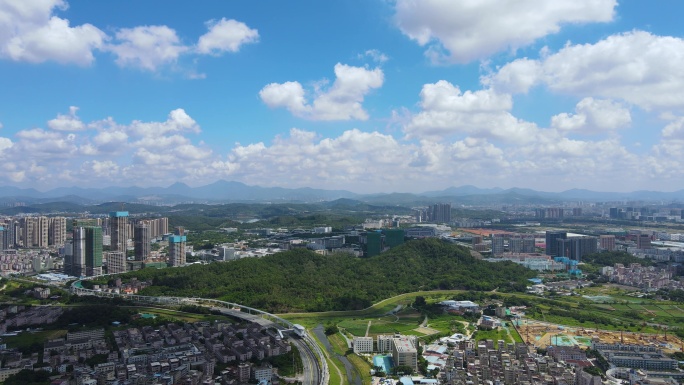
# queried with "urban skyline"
point(356, 95)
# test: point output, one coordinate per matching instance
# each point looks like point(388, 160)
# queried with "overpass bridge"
point(315, 365)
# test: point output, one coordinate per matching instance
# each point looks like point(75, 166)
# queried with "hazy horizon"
point(358, 192)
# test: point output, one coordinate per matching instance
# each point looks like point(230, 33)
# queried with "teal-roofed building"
point(393, 237)
point(373, 243)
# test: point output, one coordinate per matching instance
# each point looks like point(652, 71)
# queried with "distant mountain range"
point(231, 191)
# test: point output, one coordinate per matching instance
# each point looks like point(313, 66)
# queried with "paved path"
point(368, 328)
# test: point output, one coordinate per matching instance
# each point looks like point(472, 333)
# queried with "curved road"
point(315, 365)
point(309, 363)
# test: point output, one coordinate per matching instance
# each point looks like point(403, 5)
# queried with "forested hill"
point(302, 280)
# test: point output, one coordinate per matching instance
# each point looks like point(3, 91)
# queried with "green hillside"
point(300, 280)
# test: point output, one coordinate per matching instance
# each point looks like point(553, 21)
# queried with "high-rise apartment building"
point(393, 237)
point(476, 240)
point(577, 247)
point(521, 243)
point(118, 224)
point(373, 243)
point(142, 241)
point(106, 228)
point(75, 264)
point(498, 244)
point(643, 241)
point(56, 231)
point(613, 212)
point(34, 232)
point(158, 227)
point(116, 262)
point(555, 212)
point(27, 228)
point(93, 254)
point(86, 256)
point(12, 234)
point(440, 213)
point(552, 238)
point(607, 242)
point(41, 232)
point(177, 248)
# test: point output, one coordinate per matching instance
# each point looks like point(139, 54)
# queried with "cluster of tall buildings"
point(557, 212)
point(375, 242)
point(437, 213)
point(559, 244)
point(32, 232)
point(517, 243)
point(85, 255)
point(645, 213)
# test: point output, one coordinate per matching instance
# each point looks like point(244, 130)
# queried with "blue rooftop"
point(117, 214)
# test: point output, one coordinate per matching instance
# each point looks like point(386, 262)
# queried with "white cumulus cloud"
point(226, 36)
point(593, 116)
point(341, 101)
point(147, 47)
point(29, 31)
point(638, 67)
point(445, 111)
point(471, 30)
point(69, 122)
point(5, 143)
point(674, 129)
point(177, 121)
point(375, 55)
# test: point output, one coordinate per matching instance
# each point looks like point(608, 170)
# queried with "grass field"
point(337, 375)
point(355, 323)
point(362, 366)
point(336, 368)
point(673, 310)
point(656, 310)
point(23, 341)
point(178, 315)
point(494, 335)
point(516, 336)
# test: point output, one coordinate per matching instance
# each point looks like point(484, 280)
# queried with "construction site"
point(543, 335)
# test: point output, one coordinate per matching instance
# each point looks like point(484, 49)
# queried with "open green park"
point(602, 307)
point(390, 316)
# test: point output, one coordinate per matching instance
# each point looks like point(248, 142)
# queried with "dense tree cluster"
point(93, 316)
point(300, 280)
point(676, 295)
point(610, 258)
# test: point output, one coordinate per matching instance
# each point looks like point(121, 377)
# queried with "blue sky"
point(362, 95)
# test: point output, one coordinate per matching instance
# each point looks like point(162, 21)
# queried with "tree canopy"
point(610, 258)
point(300, 280)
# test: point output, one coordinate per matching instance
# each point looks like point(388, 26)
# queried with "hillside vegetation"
point(301, 280)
